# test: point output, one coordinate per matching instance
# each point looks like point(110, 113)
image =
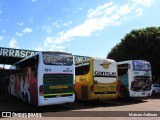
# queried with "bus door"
point(123, 76)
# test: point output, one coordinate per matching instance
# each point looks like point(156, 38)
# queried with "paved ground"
point(114, 109)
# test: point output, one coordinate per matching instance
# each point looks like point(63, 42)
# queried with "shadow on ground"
point(11, 103)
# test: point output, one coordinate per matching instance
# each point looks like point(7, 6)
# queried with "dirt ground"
point(129, 109)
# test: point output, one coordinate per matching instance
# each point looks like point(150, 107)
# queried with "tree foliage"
point(142, 44)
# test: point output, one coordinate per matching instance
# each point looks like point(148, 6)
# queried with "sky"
point(80, 27)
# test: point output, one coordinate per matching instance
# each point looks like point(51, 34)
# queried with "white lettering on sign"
point(22, 54)
point(8, 52)
point(11, 53)
point(80, 58)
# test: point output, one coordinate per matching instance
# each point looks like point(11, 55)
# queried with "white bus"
point(46, 78)
point(134, 78)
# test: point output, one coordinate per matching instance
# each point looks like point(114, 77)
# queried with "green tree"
point(139, 44)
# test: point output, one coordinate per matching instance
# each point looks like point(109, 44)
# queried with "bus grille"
point(84, 92)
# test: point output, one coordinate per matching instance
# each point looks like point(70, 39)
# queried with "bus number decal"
point(82, 80)
point(47, 70)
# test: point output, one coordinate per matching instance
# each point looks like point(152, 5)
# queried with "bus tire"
point(23, 97)
point(153, 93)
point(76, 98)
point(10, 91)
point(27, 98)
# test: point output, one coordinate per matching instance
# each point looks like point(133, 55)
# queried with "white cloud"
point(33, 0)
point(13, 43)
point(31, 21)
point(67, 23)
point(80, 8)
point(108, 14)
point(1, 37)
point(59, 47)
point(21, 23)
point(18, 34)
point(139, 11)
point(65, 9)
point(38, 48)
point(48, 29)
point(56, 24)
point(52, 47)
point(24, 31)
point(27, 30)
point(143, 3)
point(48, 41)
point(87, 28)
point(99, 10)
point(97, 35)
point(124, 10)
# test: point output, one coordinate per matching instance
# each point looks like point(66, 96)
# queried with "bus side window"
point(123, 69)
point(82, 70)
point(86, 69)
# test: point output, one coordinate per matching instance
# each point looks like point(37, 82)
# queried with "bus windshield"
point(52, 58)
point(141, 66)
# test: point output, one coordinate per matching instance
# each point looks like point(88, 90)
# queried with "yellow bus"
point(96, 79)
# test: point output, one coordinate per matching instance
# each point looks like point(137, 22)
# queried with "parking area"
point(109, 108)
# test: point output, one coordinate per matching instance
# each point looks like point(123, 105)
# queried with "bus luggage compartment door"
point(57, 85)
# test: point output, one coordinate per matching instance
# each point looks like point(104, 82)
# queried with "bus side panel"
point(83, 81)
point(12, 85)
point(32, 85)
point(82, 86)
point(23, 84)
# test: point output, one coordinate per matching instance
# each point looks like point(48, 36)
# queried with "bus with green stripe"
point(46, 78)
